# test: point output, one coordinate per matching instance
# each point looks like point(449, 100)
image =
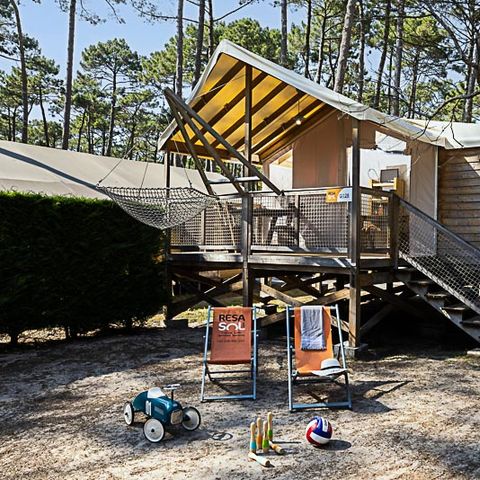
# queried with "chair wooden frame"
point(216, 375)
point(294, 376)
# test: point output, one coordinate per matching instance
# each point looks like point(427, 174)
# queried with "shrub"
point(77, 263)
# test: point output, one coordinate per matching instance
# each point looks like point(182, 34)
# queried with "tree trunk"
point(69, 79)
point(318, 74)
point(14, 125)
point(383, 57)
point(211, 33)
point(307, 38)
point(284, 29)
point(44, 117)
point(398, 58)
point(413, 94)
point(9, 117)
point(179, 66)
point(80, 130)
point(89, 133)
point(131, 143)
point(361, 53)
point(390, 69)
point(199, 47)
point(23, 70)
point(113, 107)
point(344, 46)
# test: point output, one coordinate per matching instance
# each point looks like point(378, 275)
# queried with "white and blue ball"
point(319, 431)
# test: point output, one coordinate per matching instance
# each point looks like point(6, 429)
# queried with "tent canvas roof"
point(31, 168)
point(279, 97)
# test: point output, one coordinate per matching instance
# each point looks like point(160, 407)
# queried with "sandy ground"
point(416, 415)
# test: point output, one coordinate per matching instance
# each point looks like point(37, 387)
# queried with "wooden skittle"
point(270, 425)
point(277, 448)
point(259, 432)
point(261, 460)
point(253, 443)
point(265, 444)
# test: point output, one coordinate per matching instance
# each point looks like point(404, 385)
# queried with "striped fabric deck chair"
point(231, 333)
point(305, 366)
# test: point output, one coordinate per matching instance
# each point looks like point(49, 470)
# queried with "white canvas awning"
point(279, 97)
point(35, 169)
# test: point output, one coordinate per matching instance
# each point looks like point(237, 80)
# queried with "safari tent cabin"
point(348, 193)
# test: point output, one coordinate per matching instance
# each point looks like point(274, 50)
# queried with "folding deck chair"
point(233, 342)
point(308, 362)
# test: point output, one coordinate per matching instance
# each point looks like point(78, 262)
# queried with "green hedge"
point(74, 263)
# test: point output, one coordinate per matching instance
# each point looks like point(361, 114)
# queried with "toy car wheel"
point(128, 413)
point(154, 430)
point(191, 419)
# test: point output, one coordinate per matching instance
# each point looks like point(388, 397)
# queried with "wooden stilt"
point(355, 240)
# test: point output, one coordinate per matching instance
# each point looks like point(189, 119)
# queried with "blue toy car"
point(162, 411)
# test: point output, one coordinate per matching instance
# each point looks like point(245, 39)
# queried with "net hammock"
point(160, 207)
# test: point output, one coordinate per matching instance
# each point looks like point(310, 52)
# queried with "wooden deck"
point(294, 262)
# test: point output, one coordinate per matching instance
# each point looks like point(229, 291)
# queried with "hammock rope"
point(160, 207)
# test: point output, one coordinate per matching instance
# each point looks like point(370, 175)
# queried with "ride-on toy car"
point(163, 411)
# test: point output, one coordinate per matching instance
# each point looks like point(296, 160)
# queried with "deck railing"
point(299, 221)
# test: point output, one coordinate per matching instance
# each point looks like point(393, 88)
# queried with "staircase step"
point(422, 283)
point(438, 295)
point(471, 322)
point(457, 308)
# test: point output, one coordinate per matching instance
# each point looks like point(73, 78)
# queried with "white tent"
point(31, 168)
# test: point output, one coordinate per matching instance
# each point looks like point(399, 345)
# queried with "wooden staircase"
point(444, 302)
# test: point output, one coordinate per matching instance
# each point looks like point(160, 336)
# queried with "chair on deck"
point(233, 342)
point(309, 361)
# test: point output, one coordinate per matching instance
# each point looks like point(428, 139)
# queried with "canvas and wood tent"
point(268, 113)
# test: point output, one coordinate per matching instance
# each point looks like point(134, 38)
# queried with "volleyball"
point(319, 431)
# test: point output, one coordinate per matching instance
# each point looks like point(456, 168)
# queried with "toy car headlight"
point(176, 417)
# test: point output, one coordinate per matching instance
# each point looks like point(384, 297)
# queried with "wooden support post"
point(394, 219)
point(166, 246)
point(247, 273)
point(248, 121)
point(355, 240)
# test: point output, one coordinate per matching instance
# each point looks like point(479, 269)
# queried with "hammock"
point(160, 207)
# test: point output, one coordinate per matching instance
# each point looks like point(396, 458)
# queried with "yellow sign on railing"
point(336, 195)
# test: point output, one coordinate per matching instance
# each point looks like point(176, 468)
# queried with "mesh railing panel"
point(274, 221)
point(304, 222)
point(323, 225)
point(223, 224)
point(440, 255)
point(375, 236)
point(221, 228)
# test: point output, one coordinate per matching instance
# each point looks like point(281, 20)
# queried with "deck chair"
point(308, 362)
point(233, 342)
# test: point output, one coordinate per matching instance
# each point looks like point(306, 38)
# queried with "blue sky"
point(48, 24)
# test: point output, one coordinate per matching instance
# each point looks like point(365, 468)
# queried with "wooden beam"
point(180, 147)
point(294, 132)
point(377, 318)
point(258, 106)
point(395, 300)
point(283, 297)
point(354, 313)
point(191, 148)
point(248, 120)
point(217, 87)
point(190, 112)
point(171, 97)
point(286, 125)
point(233, 102)
point(374, 278)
